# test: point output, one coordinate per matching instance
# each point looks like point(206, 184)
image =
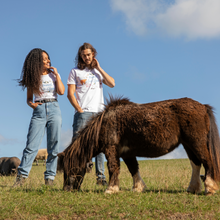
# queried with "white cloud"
point(191, 19)
point(138, 13)
point(6, 141)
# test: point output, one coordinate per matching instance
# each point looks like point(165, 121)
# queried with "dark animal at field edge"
point(9, 165)
point(126, 129)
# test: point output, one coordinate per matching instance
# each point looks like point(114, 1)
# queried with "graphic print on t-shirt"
point(83, 81)
point(48, 86)
point(92, 80)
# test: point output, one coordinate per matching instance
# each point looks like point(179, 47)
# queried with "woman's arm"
point(59, 84)
point(30, 99)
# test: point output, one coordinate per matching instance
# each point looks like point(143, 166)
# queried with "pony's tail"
point(214, 144)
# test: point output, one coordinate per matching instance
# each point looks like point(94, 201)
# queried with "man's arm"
point(72, 98)
point(108, 80)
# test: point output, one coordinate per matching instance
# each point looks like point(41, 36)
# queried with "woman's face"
point(46, 61)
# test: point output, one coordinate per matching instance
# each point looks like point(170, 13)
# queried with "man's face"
point(87, 56)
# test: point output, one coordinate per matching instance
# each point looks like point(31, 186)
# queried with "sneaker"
point(101, 182)
point(48, 182)
point(19, 181)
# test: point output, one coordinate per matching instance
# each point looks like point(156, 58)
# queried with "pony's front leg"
point(113, 164)
point(138, 183)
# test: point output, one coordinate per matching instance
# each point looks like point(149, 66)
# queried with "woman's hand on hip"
point(34, 105)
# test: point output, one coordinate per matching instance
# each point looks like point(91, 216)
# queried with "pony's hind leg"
point(203, 157)
point(210, 185)
point(113, 163)
point(195, 185)
point(138, 183)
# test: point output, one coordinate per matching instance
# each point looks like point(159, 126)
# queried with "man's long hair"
point(32, 70)
point(79, 61)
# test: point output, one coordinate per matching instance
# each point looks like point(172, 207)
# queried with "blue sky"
point(154, 49)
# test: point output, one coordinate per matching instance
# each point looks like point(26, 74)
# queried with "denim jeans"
point(80, 120)
point(47, 115)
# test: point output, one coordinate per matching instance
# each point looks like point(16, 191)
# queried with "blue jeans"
point(47, 115)
point(80, 120)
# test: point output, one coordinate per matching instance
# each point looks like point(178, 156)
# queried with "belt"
point(47, 100)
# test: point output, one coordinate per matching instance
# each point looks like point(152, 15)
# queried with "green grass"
point(165, 197)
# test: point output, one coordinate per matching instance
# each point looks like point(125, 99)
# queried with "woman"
point(44, 83)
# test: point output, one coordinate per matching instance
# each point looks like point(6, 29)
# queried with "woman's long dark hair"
point(79, 61)
point(32, 70)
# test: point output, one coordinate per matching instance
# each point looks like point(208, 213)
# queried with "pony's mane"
point(80, 151)
point(113, 102)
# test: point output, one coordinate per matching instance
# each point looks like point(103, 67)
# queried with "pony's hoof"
point(210, 186)
point(195, 187)
point(194, 191)
point(209, 194)
point(139, 189)
point(112, 189)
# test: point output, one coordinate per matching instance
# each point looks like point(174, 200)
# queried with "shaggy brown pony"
point(126, 129)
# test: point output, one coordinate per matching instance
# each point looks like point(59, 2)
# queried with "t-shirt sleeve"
point(53, 76)
point(72, 77)
point(101, 77)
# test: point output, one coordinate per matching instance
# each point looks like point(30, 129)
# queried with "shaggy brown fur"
point(126, 129)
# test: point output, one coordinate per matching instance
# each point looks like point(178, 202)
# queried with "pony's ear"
point(60, 161)
point(61, 155)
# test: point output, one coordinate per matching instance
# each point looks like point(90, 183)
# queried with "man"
point(85, 93)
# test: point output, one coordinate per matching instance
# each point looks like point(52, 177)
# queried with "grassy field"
point(165, 197)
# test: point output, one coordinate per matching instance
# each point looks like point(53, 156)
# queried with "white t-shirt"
point(48, 88)
point(89, 88)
